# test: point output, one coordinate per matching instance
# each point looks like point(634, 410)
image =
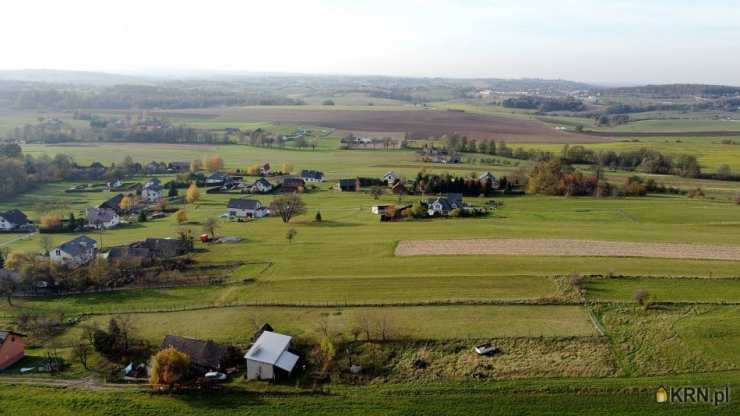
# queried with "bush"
point(169, 366)
point(642, 297)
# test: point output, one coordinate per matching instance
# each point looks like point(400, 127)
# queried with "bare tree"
point(81, 350)
point(210, 225)
point(288, 206)
point(376, 192)
point(45, 244)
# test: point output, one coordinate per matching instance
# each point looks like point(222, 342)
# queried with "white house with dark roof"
point(74, 253)
point(13, 220)
point(444, 205)
point(262, 186)
point(391, 177)
point(312, 175)
point(152, 191)
point(269, 357)
point(102, 217)
point(485, 176)
point(246, 208)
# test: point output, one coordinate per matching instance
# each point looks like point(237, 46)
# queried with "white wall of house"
point(62, 257)
point(150, 195)
point(247, 213)
point(262, 187)
point(6, 225)
point(259, 371)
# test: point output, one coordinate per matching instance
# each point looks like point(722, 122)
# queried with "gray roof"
point(15, 216)
point(244, 203)
point(455, 198)
point(100, 214)
point(312, 174)
point(268, 348)
point(217, 176)
point(113, 203)
point(206, 354)
point(486, 174)
point(78, 246)
point(347, 183)
point(293, 182)
point(264, 182)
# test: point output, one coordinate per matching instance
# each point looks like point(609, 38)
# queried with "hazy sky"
point(586, 40)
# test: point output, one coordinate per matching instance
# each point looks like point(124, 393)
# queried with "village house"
point(74, 253)
point(391, 177)
point(246, 208)
point(113, 203)
point(204, 356)
point(347, 185)
point(312, 176)
point(164, 247)
point(152, 191)
point(380, 209)
point(114, 184)
point(217, 179)
point(291, 185)
point(102, 217)
point(486, 176)
point(269, 358)
point(262, 186)
point(13, 220)
point(12, 348)
point(122, 254)
point(178, 166)
point(443, 205)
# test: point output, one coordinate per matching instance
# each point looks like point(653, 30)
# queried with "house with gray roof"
point(443, 205)
point(74, 253)
point(269, 358)
point(312, 175)
point(113, 203)
point(102, 218)
point(246, 208)
point(204, 355)
point(261, 186)
point(13, 220)
point(153, 191)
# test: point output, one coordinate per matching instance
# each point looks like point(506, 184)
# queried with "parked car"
point(485, 349)
point(215, 376)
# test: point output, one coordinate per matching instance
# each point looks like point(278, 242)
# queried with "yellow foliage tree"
point(50, 221)
point(16, 260)
point(168, 367)
point(193, 193)
point(196, 165)
point(181, 216)
point(286, 168)
point(253, 170)
point(213, 163)
point(128, 203)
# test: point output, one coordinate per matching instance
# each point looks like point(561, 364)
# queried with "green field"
point(666, 290)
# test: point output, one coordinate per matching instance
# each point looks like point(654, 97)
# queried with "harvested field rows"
point(543, 247)
point(417, 123)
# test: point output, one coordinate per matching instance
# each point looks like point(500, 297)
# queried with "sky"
point(606, 41)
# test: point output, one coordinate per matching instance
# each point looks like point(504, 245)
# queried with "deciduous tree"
point(169, 366)
point(193, 193)
point(288, 206)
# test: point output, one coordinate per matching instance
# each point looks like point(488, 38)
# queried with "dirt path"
point(542, 247)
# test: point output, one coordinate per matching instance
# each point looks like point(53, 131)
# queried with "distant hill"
point(53, 76)
point(678, 90)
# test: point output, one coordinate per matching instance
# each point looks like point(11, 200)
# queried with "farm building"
point(102, 217)
point(348, 185)
point(165, 247)
point(74, 253)
point(12, 348)
point(269, 358)
point(485, 176)
point(312, 176)
point(178, 166)
point(13, 220)
point(292, 184)
point(204, 355)
point(246, 208)
point(264, 169)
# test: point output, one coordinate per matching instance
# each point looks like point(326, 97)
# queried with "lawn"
point(666, 290)
point(237, 324)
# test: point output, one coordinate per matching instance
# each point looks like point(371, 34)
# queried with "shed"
point(269, 358)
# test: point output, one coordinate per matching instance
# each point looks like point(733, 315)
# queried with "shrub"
point(169, 366)
point(642, 297)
